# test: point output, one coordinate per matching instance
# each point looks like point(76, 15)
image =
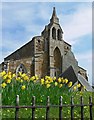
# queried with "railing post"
point(33, 109)
point(90, 107)
point(72, 108)
point(60, 108)
point(47, 109)
point(17, 109)
point(82, 109)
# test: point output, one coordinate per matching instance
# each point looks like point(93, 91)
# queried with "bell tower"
point(56, 46)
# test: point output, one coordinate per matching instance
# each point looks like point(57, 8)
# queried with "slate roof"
point(85, 83)
point(69, 74)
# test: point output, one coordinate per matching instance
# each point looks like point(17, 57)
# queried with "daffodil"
point(32, 78)
point(63, 80)
point(23, 75)
point(42, 81)
point(23, 87)
point(74, 88)
point(56, 83)
point(54, 78)
point(5, 76)
point(46, 82)
point(60, 85)
point(13, 75)
point(21, 80)
point(8, 81)
point(26, 77)
point(9, 76)
point(69, 84)
point(9, 73)
point(3, 85)
point(18, 78)
point(66, 80)
point(48, 85)
point(59, 80)
point(78, 85)
point(36, 77)
point(2, 73)
point(84, 87)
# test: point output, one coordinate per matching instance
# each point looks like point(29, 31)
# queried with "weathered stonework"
point(47, 54)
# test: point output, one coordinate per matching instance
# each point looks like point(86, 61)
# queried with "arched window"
point(59, 34)
point(21, 68)
point(57, 62)
point(53, 33)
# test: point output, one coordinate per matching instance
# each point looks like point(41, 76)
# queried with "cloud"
point(77, 24)
point(85, 61)
point(22, 21)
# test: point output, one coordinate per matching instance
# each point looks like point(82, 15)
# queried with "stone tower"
point(56, 51)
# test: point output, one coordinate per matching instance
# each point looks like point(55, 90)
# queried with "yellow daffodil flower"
point(3, 85)
point(23, 87)
point(59, 80)
point(9, 73)
point(13, 75)
point(18, 78)
point(26, 77)
point(74, 88)
point(66, 81)
point(21, 80)
point(2, 73)
point(48, 85)
point(32, 78)
point(56, 83)
point(42, 81)
point(5, 76)
point(8, 81)
point(60, 85)
point(23, 75)
point(46, 82)
point(69, 84)
point(54, 78)
point(79, 85)
point(9, 76)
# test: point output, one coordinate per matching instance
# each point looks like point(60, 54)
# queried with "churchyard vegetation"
point(27, 87)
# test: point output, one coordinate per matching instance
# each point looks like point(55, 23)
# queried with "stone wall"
point(27, 62)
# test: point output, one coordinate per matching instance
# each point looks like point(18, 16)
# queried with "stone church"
point(47, 54)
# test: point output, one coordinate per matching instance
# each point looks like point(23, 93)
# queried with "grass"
point(41, 91)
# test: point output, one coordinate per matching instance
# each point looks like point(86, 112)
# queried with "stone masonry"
point(47, 54)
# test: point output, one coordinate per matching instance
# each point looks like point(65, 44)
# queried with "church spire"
point(54, 12)
point(54, 18)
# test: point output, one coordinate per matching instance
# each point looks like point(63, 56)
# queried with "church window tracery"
point(21, 68)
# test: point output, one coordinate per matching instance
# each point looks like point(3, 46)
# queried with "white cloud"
point(77, 24)
point(85, 61)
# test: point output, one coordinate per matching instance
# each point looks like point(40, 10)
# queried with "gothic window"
point(57, 62)
point(53, 33)
point(59, 34)
point(21, 68)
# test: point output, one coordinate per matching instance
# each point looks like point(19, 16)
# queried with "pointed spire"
point(54, 12)
point(54, 17)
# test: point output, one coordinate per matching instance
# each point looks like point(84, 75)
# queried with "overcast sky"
point(23, 20)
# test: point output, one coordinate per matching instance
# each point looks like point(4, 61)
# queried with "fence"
point(60, 106)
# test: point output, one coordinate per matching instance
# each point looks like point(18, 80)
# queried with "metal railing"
point(48, 106)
